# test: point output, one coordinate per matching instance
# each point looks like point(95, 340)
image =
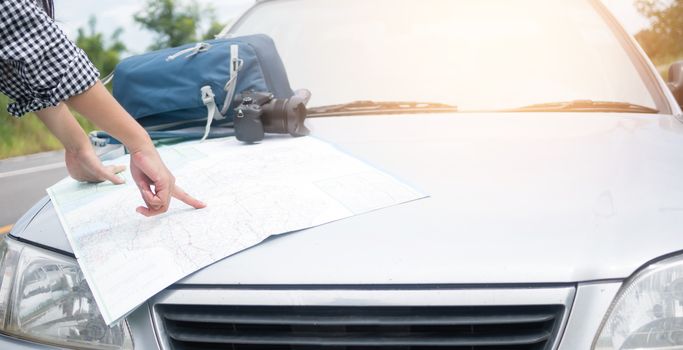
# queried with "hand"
point(156, 183)
point(81, 160)
point(84, 165)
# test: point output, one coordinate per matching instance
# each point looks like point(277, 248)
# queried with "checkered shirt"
point(39, 66)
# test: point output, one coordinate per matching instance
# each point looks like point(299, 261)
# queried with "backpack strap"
point(208, 98)
point(235, 67)
point(190, 51)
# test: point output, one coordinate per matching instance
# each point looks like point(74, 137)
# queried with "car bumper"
point(588, 303)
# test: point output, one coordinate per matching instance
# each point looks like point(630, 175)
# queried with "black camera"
point(260, 112)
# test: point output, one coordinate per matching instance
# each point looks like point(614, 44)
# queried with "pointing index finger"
point(181, 195)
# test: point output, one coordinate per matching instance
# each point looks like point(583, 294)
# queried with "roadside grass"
point(27, 135)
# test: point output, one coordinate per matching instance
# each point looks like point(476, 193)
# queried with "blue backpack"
point(174, 92)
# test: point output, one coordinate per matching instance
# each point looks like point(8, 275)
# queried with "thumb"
point(110, 174)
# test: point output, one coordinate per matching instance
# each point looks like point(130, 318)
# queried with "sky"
point(111, 14)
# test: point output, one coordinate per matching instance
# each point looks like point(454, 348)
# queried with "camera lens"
point(287, 116)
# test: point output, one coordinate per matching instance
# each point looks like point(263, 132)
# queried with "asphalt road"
point(23, 181)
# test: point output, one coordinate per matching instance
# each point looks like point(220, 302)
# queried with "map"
point(251, 191)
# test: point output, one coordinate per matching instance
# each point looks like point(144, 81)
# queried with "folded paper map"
point(252, 192)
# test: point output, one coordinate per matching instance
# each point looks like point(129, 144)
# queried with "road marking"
point(5, 229)
point(34, 169)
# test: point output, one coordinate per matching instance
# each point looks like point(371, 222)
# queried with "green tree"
point(663, 40)
point(176, 23)
point(104, 54)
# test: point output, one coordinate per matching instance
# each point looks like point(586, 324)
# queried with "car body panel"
point(513, 198)
point(591, 303)
point(40, 225)
point(142, 328)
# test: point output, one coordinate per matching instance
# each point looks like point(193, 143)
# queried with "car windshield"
point(474, 54)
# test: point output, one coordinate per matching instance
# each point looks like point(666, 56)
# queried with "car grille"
point(352, 327)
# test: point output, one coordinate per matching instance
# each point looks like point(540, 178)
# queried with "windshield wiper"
point(585, 106)
point(380, 107)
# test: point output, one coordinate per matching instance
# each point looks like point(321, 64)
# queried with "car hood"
point(513, 198)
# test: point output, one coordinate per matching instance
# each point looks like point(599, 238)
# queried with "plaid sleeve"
point(39, 66)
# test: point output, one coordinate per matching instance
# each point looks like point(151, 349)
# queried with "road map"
point(251, 191)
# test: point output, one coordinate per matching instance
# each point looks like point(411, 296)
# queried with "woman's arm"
point(155, 181)
point(41, 68)
point(81, 160)
point(101, 108)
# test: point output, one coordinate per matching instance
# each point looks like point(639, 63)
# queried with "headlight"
point(44, 298)
point(648, 311)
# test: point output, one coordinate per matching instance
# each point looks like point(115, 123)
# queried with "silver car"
point(552, 152)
